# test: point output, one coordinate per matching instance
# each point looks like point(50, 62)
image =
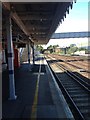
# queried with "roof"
point(36, 21)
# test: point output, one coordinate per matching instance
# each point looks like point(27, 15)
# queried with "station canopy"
point(35, 21)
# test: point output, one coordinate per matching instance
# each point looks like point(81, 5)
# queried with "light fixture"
point(41, 20)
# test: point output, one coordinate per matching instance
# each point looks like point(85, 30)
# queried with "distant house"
point(46, 51)
point(82, 52)
point(87, 51)
point(57, 50)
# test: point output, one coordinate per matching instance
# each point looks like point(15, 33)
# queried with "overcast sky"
point(75, 21)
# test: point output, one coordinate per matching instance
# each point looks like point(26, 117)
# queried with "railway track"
point(79, 65)
point(75, 90)
point(64, 64)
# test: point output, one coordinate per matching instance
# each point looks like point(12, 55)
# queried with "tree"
point(72, 45)
point(39, 48)
point(73, 48)
point(82, 48)
point(55, 46)
point(50, 47)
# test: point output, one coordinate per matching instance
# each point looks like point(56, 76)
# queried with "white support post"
point(12, 95)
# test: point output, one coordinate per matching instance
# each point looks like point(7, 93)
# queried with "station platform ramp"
point(38, 94)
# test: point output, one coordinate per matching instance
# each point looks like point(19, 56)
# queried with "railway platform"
point(38, 95)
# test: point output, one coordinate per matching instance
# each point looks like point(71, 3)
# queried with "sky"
point(75, 21)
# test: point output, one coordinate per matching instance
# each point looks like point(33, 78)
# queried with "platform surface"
point(36, 92)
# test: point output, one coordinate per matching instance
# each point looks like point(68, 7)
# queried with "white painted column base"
point(12, 95)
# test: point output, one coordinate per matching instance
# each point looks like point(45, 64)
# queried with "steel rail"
point(78, 114)
point(74, 76)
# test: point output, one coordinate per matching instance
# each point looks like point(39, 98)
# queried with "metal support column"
point(28, 46)
point(12, 95)
point(33, 54)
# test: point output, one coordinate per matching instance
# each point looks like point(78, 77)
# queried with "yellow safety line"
point(34, 106)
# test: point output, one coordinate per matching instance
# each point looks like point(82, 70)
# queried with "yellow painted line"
point(34, 106)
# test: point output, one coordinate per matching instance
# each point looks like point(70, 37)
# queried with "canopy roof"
point(35, 21)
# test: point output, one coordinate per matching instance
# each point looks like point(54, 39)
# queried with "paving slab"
point(36, 94)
